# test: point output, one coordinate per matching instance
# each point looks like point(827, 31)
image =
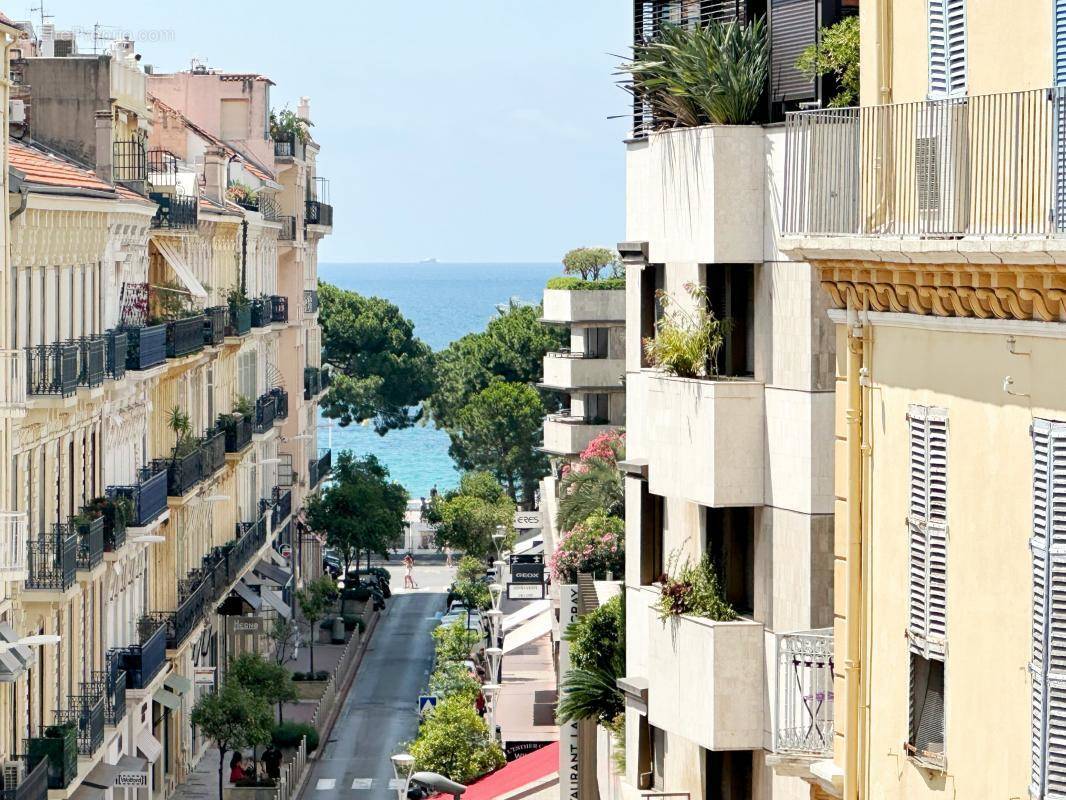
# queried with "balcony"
point(52, 369)
point(86, 713)
point(704, 440)
point(289, 147)
point(240, 319)
point(185, 336)
point(190, 613)
point(316, 381)
point(251, 536)
point(57, 747)
point(319, 468)
point(53, 562)
point(117, 348)
point(13, 380)
point(90, 535)
point(214, 451)
point(282, 504)
point(724, 659)
point(112, 684)
point(577, 306)
point(146, 347)
point(568, 435)
point(129, 165)
point(13, 545)
point(288, 229)
point(142, 662)
point(281, 403)
point(176, 211)
point(696, 194)
point(266, 409)
point(148, 496)
point(92, 359)
point(957, 176)
point(318, 213)
point(215, 319)
point(279, 308)
point(804, 721)
point(574, 371)
point(310, 301)
point(262, 311)
point(33, 785)
point(238, 431)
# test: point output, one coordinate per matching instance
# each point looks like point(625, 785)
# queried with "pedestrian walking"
point(272, 761)
point(447, 556)
point(409, 572)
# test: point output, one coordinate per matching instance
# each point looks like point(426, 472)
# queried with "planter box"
point(696, 195)
point(310, 690)
point(571, 306)
point(249, 792)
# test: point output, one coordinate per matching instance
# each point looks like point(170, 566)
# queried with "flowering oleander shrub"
point(596, 545)
point(609, 446)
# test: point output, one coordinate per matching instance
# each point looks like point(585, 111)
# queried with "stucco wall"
point(66, 94)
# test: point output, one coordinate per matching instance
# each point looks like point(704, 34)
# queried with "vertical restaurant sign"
point(569, 783)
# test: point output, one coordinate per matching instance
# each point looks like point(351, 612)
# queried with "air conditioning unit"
point(942, 168)
point(14, 774)
point(16, 110)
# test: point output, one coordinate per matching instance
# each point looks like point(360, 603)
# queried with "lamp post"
point(37, 640)
point(492, 693)
point(403, 765)
point(497, 540)
point(495, 655)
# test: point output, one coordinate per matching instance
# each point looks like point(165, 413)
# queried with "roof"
point(42, 167)
point(524, 771)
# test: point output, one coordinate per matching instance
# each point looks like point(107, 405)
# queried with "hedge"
point(288, 734)
point(572, 284)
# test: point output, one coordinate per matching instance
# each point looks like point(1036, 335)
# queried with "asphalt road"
point(380, 710)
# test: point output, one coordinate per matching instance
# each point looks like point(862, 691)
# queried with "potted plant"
point(687, 340)
point(59, 745)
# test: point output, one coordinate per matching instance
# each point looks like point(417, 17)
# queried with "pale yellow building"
point(935, 216)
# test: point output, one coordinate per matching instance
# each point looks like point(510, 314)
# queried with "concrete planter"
point(249, 792)
point(310, 690)
point(569, 306)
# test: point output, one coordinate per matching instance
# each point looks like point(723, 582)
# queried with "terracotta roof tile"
point(49, 169)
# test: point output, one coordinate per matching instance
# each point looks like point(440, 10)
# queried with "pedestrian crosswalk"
point(358, 784)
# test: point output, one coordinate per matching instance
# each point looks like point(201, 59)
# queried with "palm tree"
point(595, 485)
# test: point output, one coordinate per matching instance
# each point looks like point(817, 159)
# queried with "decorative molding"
point(993, 291)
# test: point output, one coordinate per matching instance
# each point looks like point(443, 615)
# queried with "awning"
point(103, 775)
point(519, 778)
point(275, 601)
point(15, 660)
point(532, 545)
point(168, 699)
point(149, 745)
point(267, 570)
point(133, 764)
point(87, 791)
point(244, 591)
point(181, 269)
point(177, 684)
point(528, 632)
point(528, 611)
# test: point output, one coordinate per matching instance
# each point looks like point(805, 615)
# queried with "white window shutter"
point(937, 464)
point(918, 586)
point(947, 48)
point(938, 49)
point(1059, 43)
point(927, 530)
point(919, 463)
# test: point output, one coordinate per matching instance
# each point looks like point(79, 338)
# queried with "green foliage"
point(693, 589)
point(470, 568)
point(577, 284)
point(288, 123)
point(467, 522)
point(598, 639)
point(591, 486)
point(360, 510)
point(687, 340)
point(590, 694)
point(270, 681)
point(452, 678)
point(499, 431)
point(836, 54)
point(454, 642)
point(511, 349)
point(240, 192)
point(289, 734)
point(473, 593)
point(455, 742)
point(704, 74)
point(589, 262)
point(233, 718)
point(617, 728)
point(243, 406)
point(596, 545)
point(382, 370)
point(283, 634)
point(316, 598)
point(237, 298)
point(170, 301)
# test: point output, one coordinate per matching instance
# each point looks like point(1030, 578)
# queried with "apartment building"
point(937, 236)
point(150, 531)
point(735, 466)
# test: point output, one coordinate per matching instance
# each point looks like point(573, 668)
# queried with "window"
point(596, 342)
point(596, 409)
point(652, 565)
point(1048, 664)
point(728, 774)
point(927, 623)
point(651, 307)
point(234, 114)
point(731, 291)
point(947, 48)
point(730, 545)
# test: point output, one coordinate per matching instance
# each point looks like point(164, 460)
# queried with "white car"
point(459, 615)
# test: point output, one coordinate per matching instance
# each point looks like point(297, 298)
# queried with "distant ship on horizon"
point(428, 261)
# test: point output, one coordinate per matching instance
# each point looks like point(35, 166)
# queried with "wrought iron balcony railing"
point(279, 308)
point(289, 146)
point(175, 210)
point(52, 369)
point(185, 336)
point(804, 719)
point(146, 347)
point(251, 536)
point(214, 451)
point(316, 381)
point(215, 319)
point(32, 786)
point(282, 503)
point(288, 229)
point(281, 403)
point(86, 711)
point(238, 431)
point(92, 360)
point(319, 468)
point(184, 470)
point(90, 540)
point(141, 662)
point(190, 612)
point(130, 161)
point(117, 346)
point(266, 409)
point(112, 684)
point(240, 320)
point(53, 562)
point(310, 301)
point(148, 494)
point(318, 213)
point(262, 311)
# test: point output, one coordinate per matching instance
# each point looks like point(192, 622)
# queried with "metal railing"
point(87, 712)
point(238, 431)
point(162, 167)
point(240, 320)
point(804, 718)
point(92, 359)
point(265, 410)
point(175, 210)
point(281, 403)
point(279, 308)
point(319, 468)
point(112, 684)
point(576, 354)
point(117, 347)
point(13, 528)
point(53, 562)
point(251, 536)
point(262, 311)
point(52, 369)
point(130, 162)
point(289, 146)
point(318, 213)
point(214, 451)
point(183, 472)
point(90, 541)
point(282, 504)
point(288, 229)
point(310, 301)
point(146, 347)
point(148, 495)
point(34, 786)
point(983, 166)
point(215, 319)
point(312, 382)
point(185, 336)
point(180, 623)
point(114, 530)
point(142, 662)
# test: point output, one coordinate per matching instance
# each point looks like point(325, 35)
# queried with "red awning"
point(521, 772)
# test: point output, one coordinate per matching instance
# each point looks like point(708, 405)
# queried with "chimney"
point(303, 111)
point(104, 147)
point(215, 173)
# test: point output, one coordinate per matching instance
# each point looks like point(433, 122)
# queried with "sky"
point(461, 130)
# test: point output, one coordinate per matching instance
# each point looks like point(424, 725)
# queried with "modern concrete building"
point(937, 235)
point(735, 466)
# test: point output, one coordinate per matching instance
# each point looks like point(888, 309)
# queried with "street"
point(380, 710)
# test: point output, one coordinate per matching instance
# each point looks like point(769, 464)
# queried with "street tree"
point(499, 430)
point(455, 742)
point(232, 718)
point(589, 262)
point(285, 635)
point(382, 371)
point(269, 680)
point(315, 600)
point(467, 517)
point(360, 511)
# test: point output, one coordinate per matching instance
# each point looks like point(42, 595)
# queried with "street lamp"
point(495, 593)
point(36, 640)
point(403, 764)
point(495, 624)
point(492, 692)
point(495, 655)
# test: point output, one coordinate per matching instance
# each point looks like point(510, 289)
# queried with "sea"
point(445, 302)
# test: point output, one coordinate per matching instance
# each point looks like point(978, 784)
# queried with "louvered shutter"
point(1059, 111)
point(938, 50)
point(1039, 546)
point(919, 462)
point(927, 530)
point(947, 48)
point(793, 28)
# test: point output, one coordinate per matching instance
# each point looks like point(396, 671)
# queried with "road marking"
point(362, 783)
point(396, 783)
point(325, 784)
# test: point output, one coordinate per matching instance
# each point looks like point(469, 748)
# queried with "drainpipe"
point(853, 628)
